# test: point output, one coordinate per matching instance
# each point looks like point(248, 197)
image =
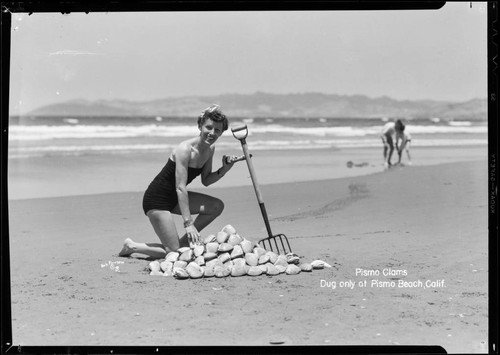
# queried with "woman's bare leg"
point(165, 229)
point(155, 250)
point(206, 207)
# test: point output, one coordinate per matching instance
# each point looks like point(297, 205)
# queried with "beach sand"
point(429, 222)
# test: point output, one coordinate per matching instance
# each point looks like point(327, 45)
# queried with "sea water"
point(49, 136)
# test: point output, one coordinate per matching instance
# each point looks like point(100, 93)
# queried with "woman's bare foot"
point(128, 248)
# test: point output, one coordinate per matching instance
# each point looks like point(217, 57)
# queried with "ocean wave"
point(34, 133)
point(19, 151)
point(83, 131)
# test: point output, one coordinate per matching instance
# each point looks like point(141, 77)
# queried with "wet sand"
point(428, 222)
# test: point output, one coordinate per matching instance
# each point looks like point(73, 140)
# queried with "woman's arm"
point(182, 157)
point(208, 177)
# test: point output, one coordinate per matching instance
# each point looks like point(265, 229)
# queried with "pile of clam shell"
point(228, 254)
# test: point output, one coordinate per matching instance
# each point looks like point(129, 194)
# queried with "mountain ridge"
point(261, 104)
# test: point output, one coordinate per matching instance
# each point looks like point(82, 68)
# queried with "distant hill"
point(262, 104)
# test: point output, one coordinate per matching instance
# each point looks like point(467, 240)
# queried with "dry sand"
point(427, 221)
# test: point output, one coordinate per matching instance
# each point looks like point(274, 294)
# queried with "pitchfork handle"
point(253, 176)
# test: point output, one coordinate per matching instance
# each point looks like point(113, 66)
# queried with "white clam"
point(183, 249)
point(234, 239)
point(229, 229)
point(172, 256)
point(194, 270)
point(180, 273)
point(222, 237)
point(209, 256)
point(255, 271)
point(187, 255)
point(292, 269)
point(251, 259)
point(166, 265)
point(198, 250)
point(209, 238)
point(224, 257)
point(246, 245)
point(237, 252)
point(154, 265)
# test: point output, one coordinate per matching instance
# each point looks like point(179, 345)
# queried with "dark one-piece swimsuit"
point(161, 194)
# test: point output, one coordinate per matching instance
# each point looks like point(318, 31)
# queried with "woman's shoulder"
point(182, 150)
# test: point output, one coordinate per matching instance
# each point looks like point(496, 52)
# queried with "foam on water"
point(258, 145)
point(45, 132)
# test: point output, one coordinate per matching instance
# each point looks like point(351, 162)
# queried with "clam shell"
point(251, 259)
point(318, 264)
point(229, 229)
point(225, 247)
point(281, 261)
point(238, 271)
point(306, 267)
point(254, 271)
point(221, 271)
point(292, 258)
point(237, 252)
point(281, 268)
point(292, 269)
point(154, 265)
point(240, 262)
point(264, 259)
point(183, 249)
point(263, 268)
point(212, 247)
point(259, 251)
point(222, 237)
point(211, 263)
point(194, 270)
point(200, 260)
point(156, 273)
point(271, 269)
point(198, 250)
point(209, 239)
point(209, 272)
point(224, 257)
point(246, 245)
point(172, 256)
point(179, 273)
point(234, 239)
point(209, 256)
point(272, 256)
point(187, 255)
point(166, 265)
point(180, 264)
point(229, 264)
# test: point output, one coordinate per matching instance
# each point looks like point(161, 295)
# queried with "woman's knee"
point(214, 207)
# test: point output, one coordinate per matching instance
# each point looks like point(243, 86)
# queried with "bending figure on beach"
point(391, 132)
point(405, 144)
point(167, 194)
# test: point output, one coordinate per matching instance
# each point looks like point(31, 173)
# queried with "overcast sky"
point(439, 55)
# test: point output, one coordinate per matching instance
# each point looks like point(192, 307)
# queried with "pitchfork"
point(270, 238)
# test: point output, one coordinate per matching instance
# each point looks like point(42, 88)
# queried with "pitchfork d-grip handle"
point(240, 128)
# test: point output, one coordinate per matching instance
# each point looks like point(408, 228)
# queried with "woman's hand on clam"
point(193, 234)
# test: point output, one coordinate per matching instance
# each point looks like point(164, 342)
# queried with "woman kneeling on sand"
point(167, 193)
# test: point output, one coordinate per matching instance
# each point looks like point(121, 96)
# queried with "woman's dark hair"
point(215, 114)
point(400, 126)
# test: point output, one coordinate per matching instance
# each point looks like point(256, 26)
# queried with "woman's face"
point(211, 131)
